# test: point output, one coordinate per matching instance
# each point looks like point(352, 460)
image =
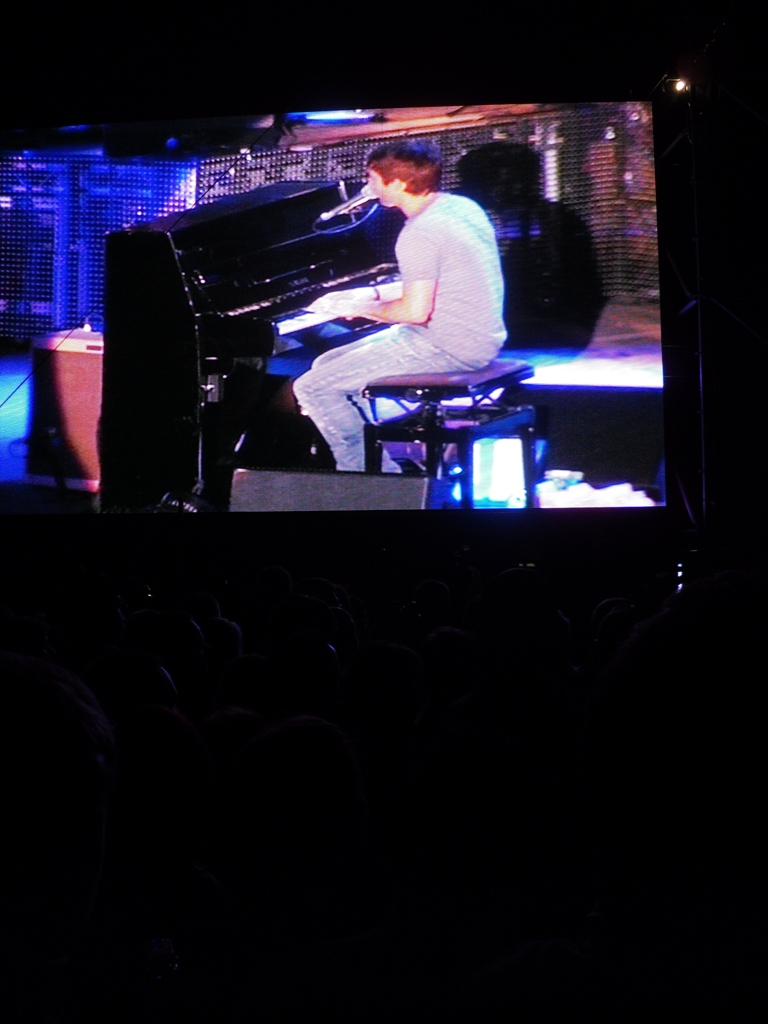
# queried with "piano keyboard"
point(370, 273)
point(388, 290)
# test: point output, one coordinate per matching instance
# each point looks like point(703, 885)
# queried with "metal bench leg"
point(463, 442)
point(528, 440)
point(372, 449)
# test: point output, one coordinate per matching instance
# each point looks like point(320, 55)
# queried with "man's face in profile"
point(389, 194)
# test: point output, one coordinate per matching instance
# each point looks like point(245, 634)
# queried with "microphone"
point(363, 196)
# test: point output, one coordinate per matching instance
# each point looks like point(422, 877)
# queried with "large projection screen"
point(569, 190)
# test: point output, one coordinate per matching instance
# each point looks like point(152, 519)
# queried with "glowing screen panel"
point(568, 189)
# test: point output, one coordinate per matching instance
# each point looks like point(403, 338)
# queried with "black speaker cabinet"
point(610, 434)
point(66, 404)
point(266, 490)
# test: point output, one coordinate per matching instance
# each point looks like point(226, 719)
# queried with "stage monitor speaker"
point(266, 490)
point(66, 405)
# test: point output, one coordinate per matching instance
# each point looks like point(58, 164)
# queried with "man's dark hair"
point(417, 164)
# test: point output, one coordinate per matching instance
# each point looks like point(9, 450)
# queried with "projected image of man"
point(446, 318)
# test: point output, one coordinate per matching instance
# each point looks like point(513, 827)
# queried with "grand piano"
point(198, 306)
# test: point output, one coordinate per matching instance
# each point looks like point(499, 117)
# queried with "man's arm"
point(413, 306)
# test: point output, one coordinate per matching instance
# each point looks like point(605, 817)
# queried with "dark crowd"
point(291, 798)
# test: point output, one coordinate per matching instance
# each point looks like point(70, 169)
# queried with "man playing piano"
point(446, 318)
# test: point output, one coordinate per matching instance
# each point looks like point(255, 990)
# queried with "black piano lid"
point(260, 253)
point(292, 203)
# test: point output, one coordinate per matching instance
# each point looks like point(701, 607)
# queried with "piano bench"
point(454, 409)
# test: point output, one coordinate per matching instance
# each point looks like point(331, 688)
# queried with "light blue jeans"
point(330, 392)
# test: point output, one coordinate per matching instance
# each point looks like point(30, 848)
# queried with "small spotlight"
point(681, 84)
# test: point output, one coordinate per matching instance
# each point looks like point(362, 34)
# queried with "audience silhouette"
point(288, 798)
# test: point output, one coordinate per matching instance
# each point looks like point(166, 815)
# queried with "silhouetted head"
point(56, 765)
point(500, 175)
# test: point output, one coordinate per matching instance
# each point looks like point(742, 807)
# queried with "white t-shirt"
point(452, 242)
